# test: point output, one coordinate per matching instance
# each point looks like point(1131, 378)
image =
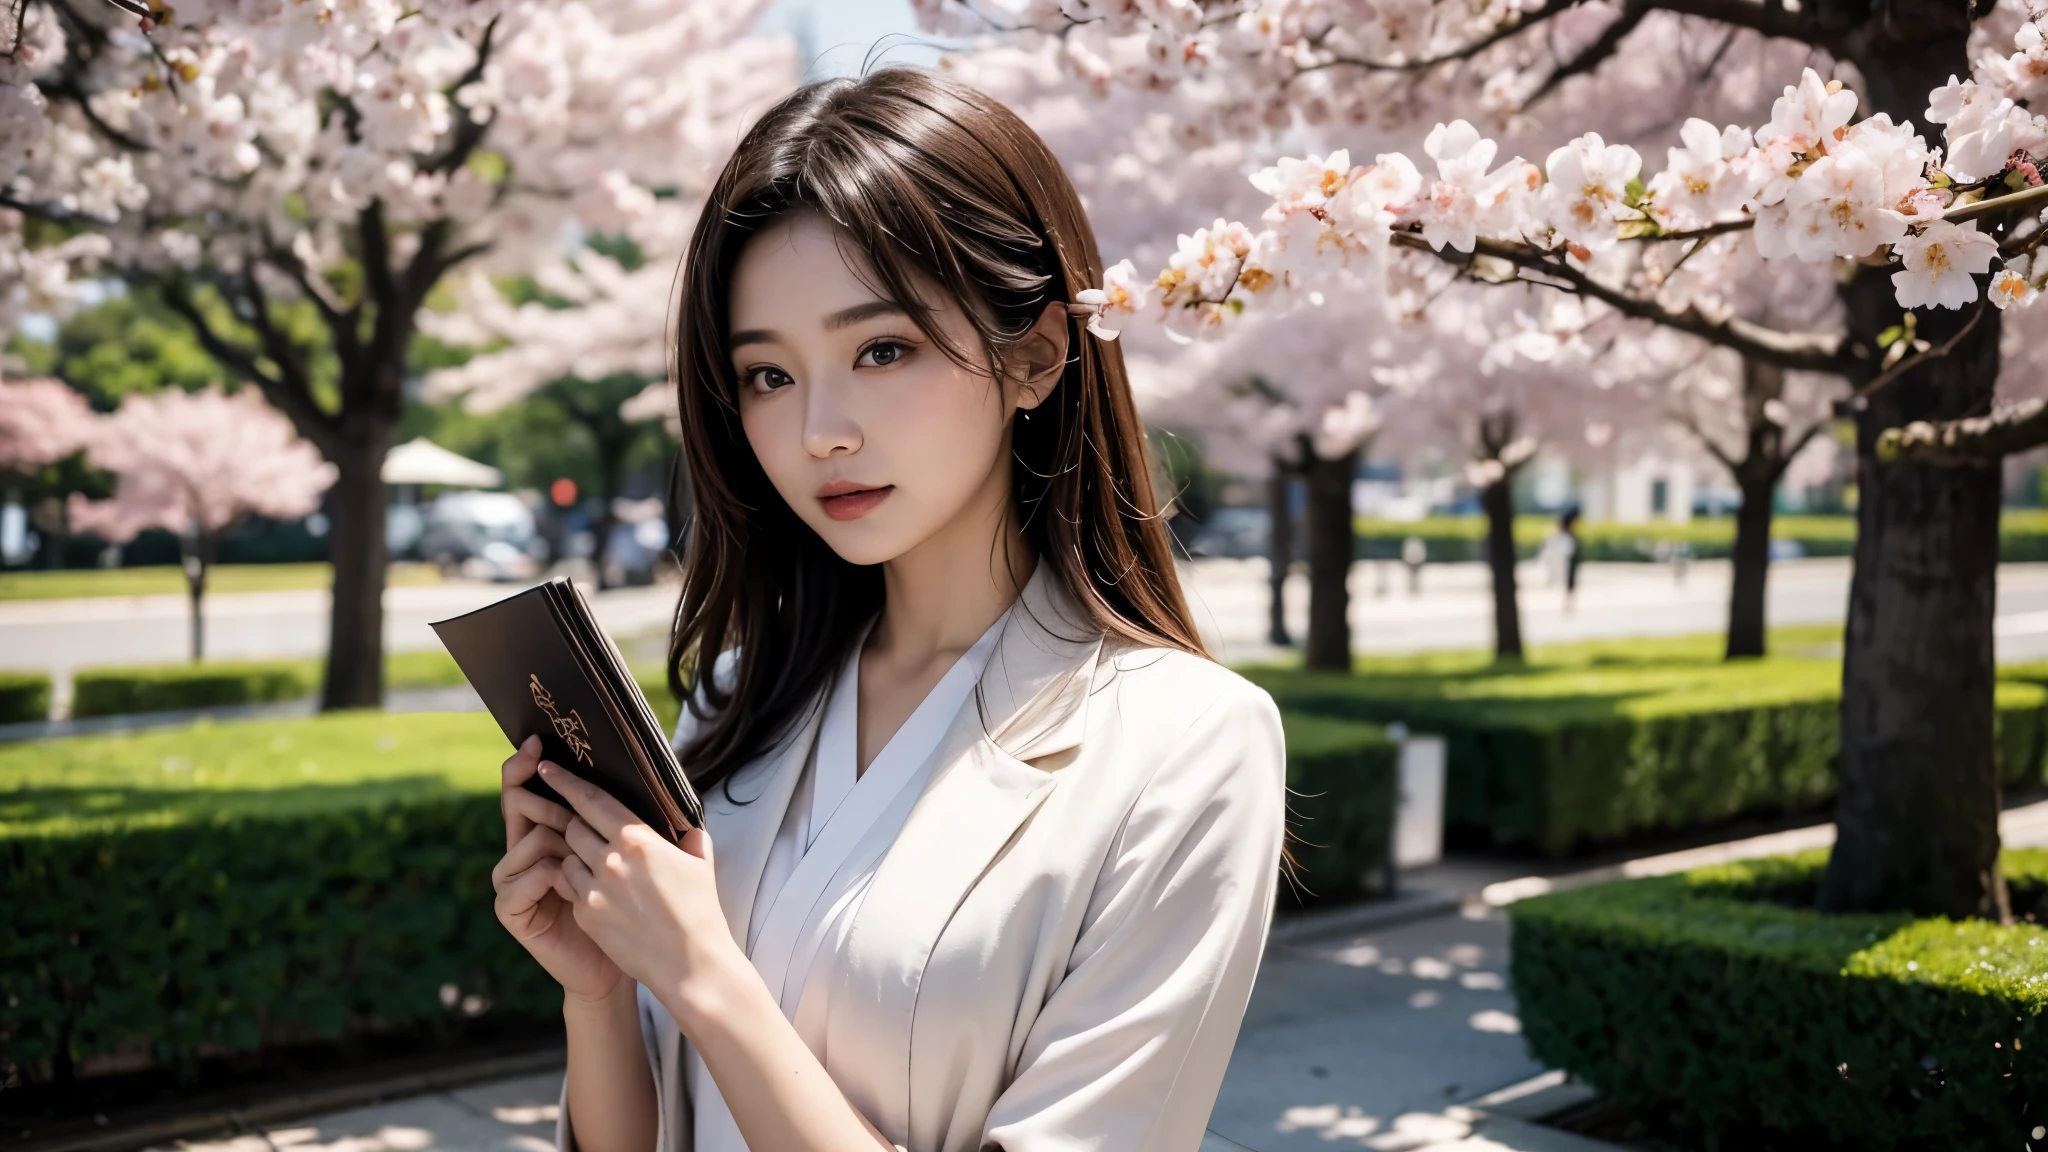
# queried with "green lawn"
point(269, 766)
point(70, 583)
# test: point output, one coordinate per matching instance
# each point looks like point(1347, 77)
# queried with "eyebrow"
point(843, 318)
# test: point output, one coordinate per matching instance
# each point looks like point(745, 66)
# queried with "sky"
point(837, 35)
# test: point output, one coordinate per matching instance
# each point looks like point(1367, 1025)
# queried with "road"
point(1452, 610)
point(60, 636)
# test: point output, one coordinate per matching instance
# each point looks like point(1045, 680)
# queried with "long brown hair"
point(929, 179)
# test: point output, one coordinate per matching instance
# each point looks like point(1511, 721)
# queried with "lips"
point(846, 500)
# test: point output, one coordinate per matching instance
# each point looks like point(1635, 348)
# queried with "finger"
point(584, 842)
point(518, 767)
point(514, 772)
point(528, 888)
point(594, 804)
point(697, 842)
point(577, 879)
point(543, 843)
point(537, 809)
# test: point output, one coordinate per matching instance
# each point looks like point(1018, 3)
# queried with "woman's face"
point(873, 435)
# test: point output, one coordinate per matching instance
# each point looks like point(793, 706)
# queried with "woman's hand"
point(650, 905)
point(528, 880)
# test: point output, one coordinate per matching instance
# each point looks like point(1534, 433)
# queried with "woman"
point(995, 843)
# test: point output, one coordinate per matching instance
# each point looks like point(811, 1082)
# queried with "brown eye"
point(766, 379)
point(883, 353)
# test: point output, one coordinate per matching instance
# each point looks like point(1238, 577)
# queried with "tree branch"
point(1800, 351)
point(1797, 445)
point(1690, 423)
point(1465, 52)
point(469, 131)
point(291, 395)
point(1769, 18)
point(65, 87)
point(341, 320)
point(1594, 54)
point(1975, 442)
point(1869, 387)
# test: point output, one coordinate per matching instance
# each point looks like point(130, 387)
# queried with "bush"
point(213, 684)
point(1601, 748)
point(1344, 785)
point(1713, 1003)
point(163, 687)
point(24, 697)
point(231, 887)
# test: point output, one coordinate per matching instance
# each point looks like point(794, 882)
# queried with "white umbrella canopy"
point(422, 461)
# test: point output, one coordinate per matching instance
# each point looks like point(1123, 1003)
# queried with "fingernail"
point(546, 768)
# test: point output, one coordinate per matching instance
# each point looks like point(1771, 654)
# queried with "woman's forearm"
point(611, 1099)
point(778, 1093)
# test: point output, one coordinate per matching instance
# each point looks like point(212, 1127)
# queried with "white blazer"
point(1057, 950)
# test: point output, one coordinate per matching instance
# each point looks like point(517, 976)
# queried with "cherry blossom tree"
point(1814, 183)
point(297, 180)
point(197, 464)
point(42, 422)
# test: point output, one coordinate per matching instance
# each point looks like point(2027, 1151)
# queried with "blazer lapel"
point(1032, 704)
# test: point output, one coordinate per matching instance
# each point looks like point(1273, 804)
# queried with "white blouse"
point(839, 824)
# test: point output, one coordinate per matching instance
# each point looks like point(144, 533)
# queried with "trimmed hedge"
point(1716, 1005)
point(1344, 786)
point(2023, 536)
point(229, 887)
point(24, 697)
point(212, 684)
point(165, 687)
point(1599, 749)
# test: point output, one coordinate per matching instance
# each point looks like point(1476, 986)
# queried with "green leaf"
point(1633, 191)
point(1890, 336)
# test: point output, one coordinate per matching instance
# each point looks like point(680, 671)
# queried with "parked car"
point(1234, 532)
point(482, 535)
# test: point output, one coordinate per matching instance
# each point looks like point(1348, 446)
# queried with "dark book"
point(542, 665)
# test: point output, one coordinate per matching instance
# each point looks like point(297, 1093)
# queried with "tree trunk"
point(1765, 455)
point(1498, 499)
point(611, 467)
point(1751, 561)
point(355, 644)
point(1917, 816)
point(1331, 537)
point(199, 552)
point(1279, 550)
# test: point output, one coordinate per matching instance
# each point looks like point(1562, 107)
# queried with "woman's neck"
point(940, 596)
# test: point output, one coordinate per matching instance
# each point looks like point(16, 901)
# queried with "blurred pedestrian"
point(1561, 554)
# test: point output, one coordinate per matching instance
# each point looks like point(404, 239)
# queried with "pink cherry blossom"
point(41, 422)
point(197, 463)
point(1588, 181)
point(1939, 263)
point(1701, 183)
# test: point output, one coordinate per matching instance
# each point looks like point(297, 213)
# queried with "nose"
point(829, 426)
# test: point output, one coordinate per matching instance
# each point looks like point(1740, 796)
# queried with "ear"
point(1041, 356)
